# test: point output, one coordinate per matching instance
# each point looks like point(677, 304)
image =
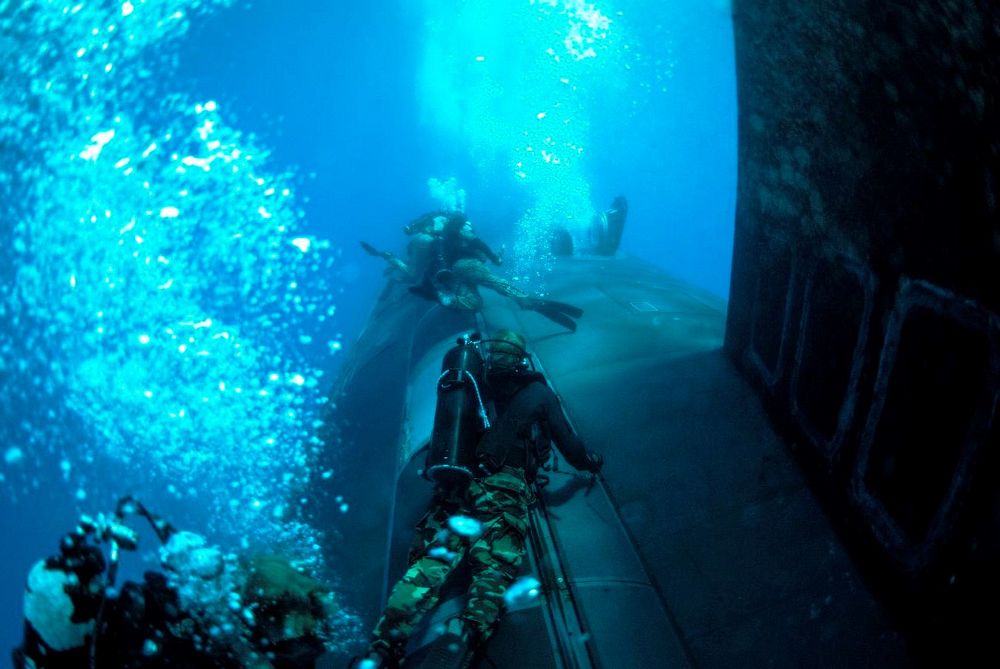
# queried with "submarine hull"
point(700, 545)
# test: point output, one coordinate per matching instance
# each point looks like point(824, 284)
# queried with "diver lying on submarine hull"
point(446, 263)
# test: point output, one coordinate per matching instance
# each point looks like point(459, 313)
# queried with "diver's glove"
point(594, 462)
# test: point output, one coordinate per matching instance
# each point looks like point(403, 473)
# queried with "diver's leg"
point(495, 557)
point(433, 556)
point(495, 561)
point(464, 296)
point(477, 273)
point(411, 598)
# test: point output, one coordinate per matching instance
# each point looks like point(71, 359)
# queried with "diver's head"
point(507, 351)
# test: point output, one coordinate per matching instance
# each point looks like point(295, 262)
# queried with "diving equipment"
point(506, 351)
point(66, 595)
point(557, 312)
point(461, 416)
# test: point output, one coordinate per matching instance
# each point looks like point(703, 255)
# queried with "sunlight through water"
point(157, 282)
point(513, 82)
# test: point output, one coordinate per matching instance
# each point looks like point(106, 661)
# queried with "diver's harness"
point(463, 412)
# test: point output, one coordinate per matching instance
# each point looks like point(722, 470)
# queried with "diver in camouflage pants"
point(485, 523)
point(446, 262)
point(458, 288)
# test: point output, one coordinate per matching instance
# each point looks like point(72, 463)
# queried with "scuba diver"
point(439, 238)
point(446, 263)
point(603, 236)
point(607, 228)
point(494, 424)
point(205, 610)
point(455, 229)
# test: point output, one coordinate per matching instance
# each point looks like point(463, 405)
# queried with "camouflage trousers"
point(469, 274)
point(485, 524)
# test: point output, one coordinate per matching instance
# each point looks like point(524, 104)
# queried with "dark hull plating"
point(701, 546)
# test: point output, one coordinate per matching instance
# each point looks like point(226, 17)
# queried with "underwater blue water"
point(186, 182)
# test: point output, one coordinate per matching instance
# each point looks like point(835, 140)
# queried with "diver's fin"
point(568, 309)
point(553, 312)
point(372, 251)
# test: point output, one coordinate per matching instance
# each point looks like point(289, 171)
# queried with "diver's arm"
point(477, 244)
point(566, 440)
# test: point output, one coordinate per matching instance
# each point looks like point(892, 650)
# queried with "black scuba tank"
point(460, 418)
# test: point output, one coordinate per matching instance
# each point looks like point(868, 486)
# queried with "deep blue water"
point(349, 108)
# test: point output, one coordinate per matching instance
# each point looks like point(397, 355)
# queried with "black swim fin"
point(372, 251)
point(568, 309)
point(557, 312)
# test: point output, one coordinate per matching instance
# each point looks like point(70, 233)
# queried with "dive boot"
point(452, 650)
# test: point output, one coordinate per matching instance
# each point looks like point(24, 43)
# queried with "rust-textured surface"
point(865, 284)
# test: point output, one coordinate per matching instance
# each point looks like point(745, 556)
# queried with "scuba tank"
point(460, 418)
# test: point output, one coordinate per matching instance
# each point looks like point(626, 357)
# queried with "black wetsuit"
point(145, 627)
point(139, 631)
point(452, 245)
point(529, 418)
